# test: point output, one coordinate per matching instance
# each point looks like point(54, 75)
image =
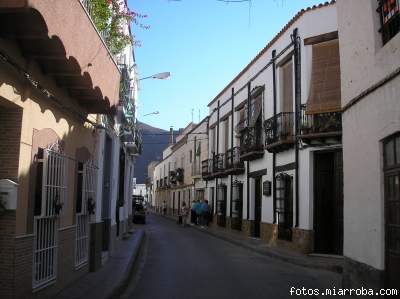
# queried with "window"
point(392, 151)
point(389, 11)
point(286, 104)
point(226, 134)
point(190, 156)
point(212, 140)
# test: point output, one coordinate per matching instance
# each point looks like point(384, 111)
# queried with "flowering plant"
point(111, 17)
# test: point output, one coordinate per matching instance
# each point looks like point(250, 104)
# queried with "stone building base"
point(248, 227)
point(302, 240)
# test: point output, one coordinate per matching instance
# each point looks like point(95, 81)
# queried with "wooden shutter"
point(325, 78)
point(287, 89)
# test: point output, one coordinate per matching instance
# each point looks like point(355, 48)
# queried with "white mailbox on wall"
point(8, 194)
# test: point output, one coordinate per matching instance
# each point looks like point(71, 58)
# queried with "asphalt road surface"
point(184, 263)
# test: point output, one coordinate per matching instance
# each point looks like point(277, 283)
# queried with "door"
point(106, 200)
point(257, 206)
point(392, 211)
point(328, 203)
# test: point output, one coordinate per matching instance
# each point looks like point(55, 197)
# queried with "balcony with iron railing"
point(251, 145)
point(389, 11)
point(234, 165)
point(207, 169)
point(279, 132)
point(320, 128)
point(219, 165)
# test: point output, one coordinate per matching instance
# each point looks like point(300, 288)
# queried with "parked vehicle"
point(139, 210)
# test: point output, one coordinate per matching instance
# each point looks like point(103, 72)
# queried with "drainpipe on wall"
point(216, 150)
point(297, 86)
point(248, 164)
point(232, 113)
point(273, 154)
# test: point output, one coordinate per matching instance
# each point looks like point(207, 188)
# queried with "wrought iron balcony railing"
point(279, 131)
point(88, 6)
point(233, 161)
point(207, 168)
point(251, 146)
point(219, 163)
point(325, 126)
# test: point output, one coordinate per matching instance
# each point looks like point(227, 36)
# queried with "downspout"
point(273, 154)
point(232, 109)
point(297, 76)
point(216, 150)
point(248, 164)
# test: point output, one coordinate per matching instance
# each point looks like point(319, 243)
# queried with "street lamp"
point(161, 76)
point(155, 112)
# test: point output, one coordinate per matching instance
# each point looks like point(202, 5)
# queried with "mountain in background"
point(155, 140)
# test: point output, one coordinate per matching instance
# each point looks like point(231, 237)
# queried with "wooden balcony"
point(64, 42)
point(320, 129)
point(251, 147)
point(279, 132)
point(234, 165)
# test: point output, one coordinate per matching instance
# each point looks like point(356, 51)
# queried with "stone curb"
point(119, 289)
point(266, 252)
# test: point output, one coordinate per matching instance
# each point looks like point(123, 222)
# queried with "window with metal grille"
point(50, 196)
point(389, 11)
point(85, 204)
point(284, 205)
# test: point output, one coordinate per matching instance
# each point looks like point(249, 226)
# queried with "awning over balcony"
point(62, 39)
point(325, 78)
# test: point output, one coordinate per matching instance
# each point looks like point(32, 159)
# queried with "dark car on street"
point(139, 210)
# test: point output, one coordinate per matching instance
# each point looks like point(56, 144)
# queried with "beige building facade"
point(59, 120)
point(177, 178)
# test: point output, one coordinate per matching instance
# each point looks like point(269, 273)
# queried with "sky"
point(204, 44)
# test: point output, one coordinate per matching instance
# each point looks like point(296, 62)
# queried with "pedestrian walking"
point(198, 213)
point(184, 214)
point(164, 208)
point(193, 212)
point(205, 213)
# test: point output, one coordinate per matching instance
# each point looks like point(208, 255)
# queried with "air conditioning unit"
point(8, 194)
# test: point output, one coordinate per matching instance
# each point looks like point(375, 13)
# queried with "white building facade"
point(370, 67)
point(274, 169)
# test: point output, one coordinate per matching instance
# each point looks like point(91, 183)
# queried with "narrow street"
point(186, 263)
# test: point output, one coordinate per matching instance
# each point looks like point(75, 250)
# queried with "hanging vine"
point(110, 18)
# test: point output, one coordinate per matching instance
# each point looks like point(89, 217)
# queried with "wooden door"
point(257, 207)
point(392, 211)
point(328, 203)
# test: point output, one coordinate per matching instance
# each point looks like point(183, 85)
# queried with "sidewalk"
point(110, 279)
point(330, 263)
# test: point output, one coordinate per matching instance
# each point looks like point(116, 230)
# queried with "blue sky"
point(204, 44)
